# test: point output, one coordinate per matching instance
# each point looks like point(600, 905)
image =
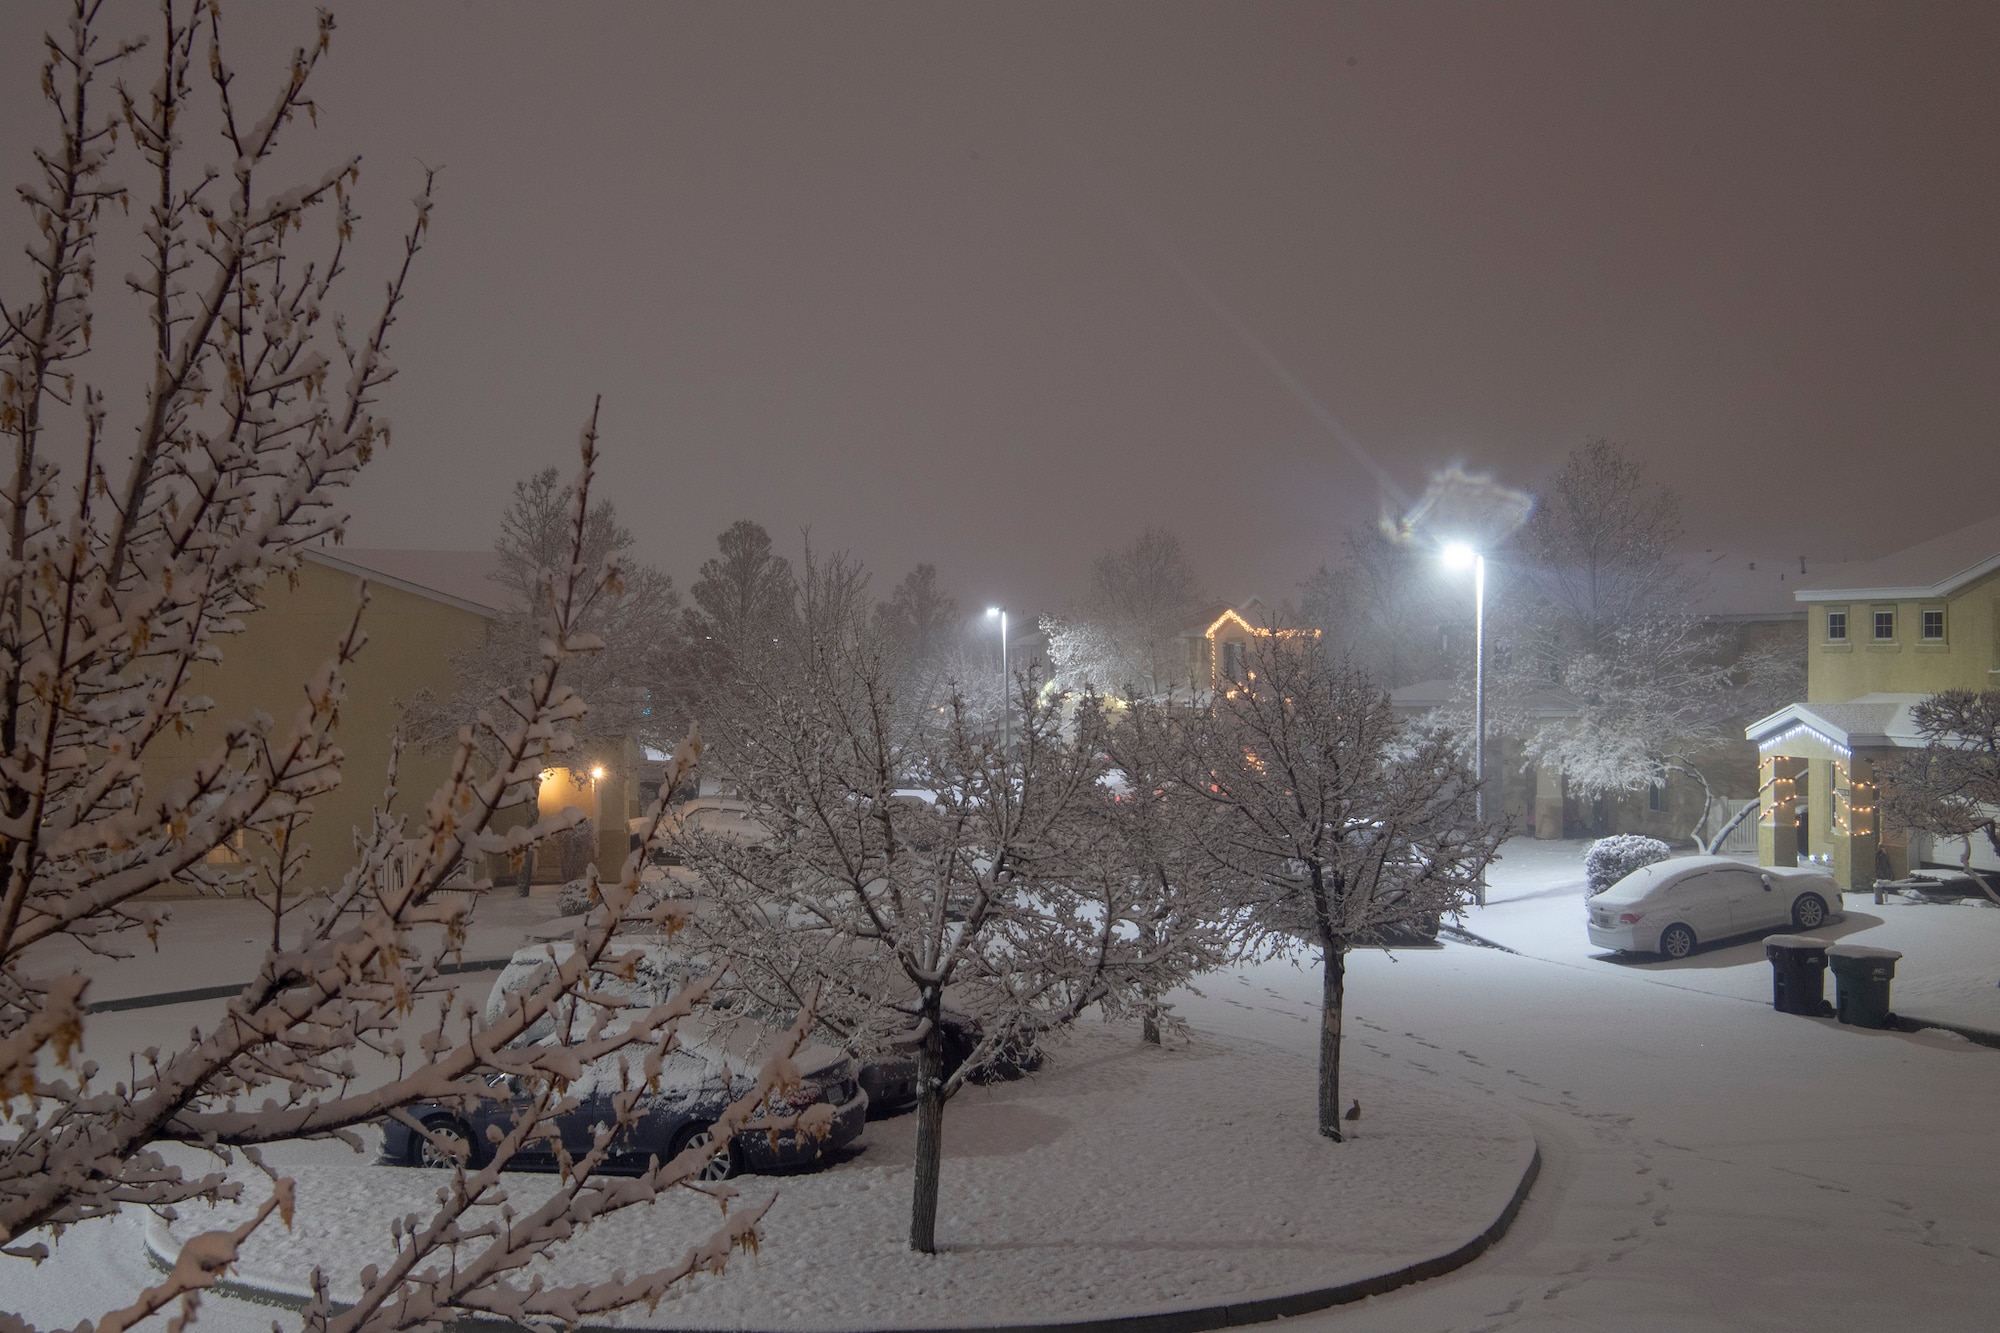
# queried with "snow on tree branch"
point(257, 411)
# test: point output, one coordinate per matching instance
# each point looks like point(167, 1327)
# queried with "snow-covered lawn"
point(1950, 970)
point(1122, 1179)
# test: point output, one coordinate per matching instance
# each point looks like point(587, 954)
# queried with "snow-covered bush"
point(1612, 859)
point(573, 897)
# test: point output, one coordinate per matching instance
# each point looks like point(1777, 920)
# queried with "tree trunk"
point(930, 1135)
point(1149, 1030)
point(1333, 986)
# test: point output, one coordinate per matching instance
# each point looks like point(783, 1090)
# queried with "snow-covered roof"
point(1252, 612)
point(1933, 568)
point(1873, 721)
point(1740, 586)
point(457, 578)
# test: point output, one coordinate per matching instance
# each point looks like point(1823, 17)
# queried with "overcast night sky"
point(980, 286)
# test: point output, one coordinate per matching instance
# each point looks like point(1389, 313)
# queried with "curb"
point(1911, 1023)
point(1234, 1314)
point(224, 992)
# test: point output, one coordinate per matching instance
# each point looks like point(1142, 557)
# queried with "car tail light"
point(1630, 918)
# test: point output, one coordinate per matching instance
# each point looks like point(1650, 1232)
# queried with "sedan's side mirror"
point(1767, 882)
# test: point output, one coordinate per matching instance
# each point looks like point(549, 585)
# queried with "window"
point(1934, 626)
point(1885, 625)
point(1653, 796)
point(1232, 661)
point(1836, 626)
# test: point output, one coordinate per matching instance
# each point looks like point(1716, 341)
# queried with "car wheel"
point(448, 1144)
point(1676, 941)
point(721, 1166)
point(1809, 912)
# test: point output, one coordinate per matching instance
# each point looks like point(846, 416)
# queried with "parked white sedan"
point(1671, 906)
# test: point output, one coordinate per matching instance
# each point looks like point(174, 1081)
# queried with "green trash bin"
point(1861, 976)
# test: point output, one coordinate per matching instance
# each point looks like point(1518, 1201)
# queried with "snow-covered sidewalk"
point(1123, 1179)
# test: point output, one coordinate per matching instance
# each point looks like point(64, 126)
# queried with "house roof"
point(1933, 568)
point(456, 578)
point(1737, 585)
point(1873, 721)
point(1252, 612)
point(1425, 695)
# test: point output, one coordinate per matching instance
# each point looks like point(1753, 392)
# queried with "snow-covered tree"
point(1124, 637)
point(1598, 553)
point(1387, 606)
point(911, 864)
point(132, 556)
point(1347, 821)
point(921, 619)
point(1951, 788)
point(1083, 655)
point(1600, 610)
point(740, 603)
point(635, 624)
point(742, 595)
point(1154, 876)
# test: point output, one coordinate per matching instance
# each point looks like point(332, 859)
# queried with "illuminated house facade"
point(424, 608)
point(1882, 635)
point(1216, 649)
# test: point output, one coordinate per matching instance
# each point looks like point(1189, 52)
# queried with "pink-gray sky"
point(964, 284)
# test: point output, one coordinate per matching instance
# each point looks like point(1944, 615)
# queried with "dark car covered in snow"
point(715, 1063)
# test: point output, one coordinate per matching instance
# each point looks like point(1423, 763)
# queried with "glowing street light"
point(1006, 710)
point(1460, 555)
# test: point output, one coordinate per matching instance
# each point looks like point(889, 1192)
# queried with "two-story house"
point(425, 608)
point(1881, 636)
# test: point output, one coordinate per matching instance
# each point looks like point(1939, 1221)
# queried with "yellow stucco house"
point(424, 608)
point(1881, 636)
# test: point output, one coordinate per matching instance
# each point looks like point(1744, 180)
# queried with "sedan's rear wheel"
point(1809, 912)
point(721, 1166)
point(1676, 941)
point(447, 1145)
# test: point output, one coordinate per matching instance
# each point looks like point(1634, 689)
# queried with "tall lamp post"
point(1459, 555)
point(1006, 683)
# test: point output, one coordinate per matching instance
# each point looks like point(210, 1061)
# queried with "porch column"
point(1777, 816)
point(1819, 807)
point(1548, 801)
point(1855, 824)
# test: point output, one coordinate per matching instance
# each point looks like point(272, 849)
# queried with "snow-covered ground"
point(1123, 1179)
point(1709, 1164)
point(218, 941)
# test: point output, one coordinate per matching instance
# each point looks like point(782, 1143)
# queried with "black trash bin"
point(1861, 976)
point(1798, 974)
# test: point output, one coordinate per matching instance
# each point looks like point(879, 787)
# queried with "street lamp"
point(1006, 710)
point(1459, 555)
